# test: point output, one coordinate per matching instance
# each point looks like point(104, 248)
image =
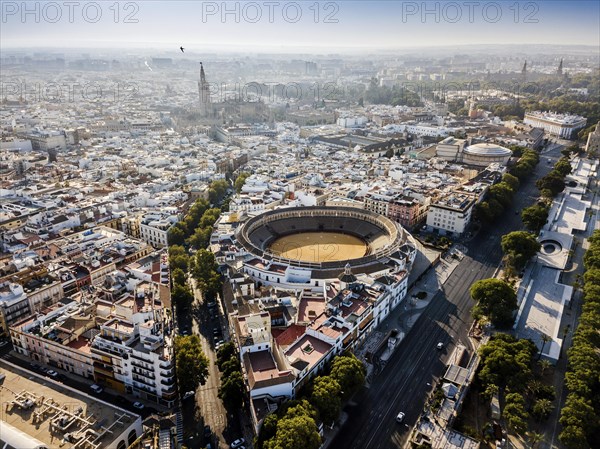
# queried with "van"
point(2, 377)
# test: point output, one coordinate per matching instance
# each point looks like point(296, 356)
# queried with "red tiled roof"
point(290, 335)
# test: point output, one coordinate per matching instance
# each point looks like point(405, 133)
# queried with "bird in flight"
point(181, 48)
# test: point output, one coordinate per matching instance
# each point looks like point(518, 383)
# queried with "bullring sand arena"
point(319, 246)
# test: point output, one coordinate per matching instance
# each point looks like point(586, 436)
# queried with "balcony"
point(143, 381)
point(166, 364)
point(142, 365)
point(167, 373)
point(169, 391)
point(145, 374)
point(169, 381)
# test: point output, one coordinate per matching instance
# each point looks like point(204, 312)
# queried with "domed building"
point(483, 154)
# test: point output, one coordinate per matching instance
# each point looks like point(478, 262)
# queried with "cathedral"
point(236, 110)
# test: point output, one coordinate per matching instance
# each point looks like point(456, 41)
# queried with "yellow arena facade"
point(304, 247)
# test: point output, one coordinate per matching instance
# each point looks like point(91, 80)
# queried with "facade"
point(280, 356)
point(484, 154)
point(560, 125)
point(450, 149)
point(407, 211)
point(592, 145)
point(120, 344)
point(216, 112)
point(154, 227)
point(452, 214)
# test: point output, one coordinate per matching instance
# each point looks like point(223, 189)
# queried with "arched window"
point(121, 445)
point(132, 437)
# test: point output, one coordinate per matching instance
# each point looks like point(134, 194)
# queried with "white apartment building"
point(561, 125)
point(155, 226)
point(451, 214)
point(246, 204)
point(377, 203)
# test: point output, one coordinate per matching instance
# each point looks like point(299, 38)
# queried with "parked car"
point(400, 417)
point(440, 345)
point(96, 388)
point(237, 443)
point(188, 394)
point(138, 405)
point(34, 366)
point(3, 343)
point(52, 374)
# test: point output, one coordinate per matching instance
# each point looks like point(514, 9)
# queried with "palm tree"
point(534, 437)
point(544, 366)
point(534, 386)
point(545, 339)
point(543, 408)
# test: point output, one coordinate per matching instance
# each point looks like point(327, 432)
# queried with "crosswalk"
point(179, 423)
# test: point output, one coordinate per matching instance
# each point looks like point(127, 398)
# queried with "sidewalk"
point(404, 316)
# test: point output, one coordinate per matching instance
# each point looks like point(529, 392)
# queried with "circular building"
point(483, 154)
point(307, 246)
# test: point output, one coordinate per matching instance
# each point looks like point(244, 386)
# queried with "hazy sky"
point(283, 25)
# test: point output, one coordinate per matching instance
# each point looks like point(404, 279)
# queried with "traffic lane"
point(415, 363)
point(445, 322)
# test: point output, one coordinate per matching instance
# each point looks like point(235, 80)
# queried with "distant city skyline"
point(300, 26)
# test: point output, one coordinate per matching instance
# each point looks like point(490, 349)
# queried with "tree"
point(295, 432)
point(182, 296)
point(544, 365)
point(573, 437)
point(178, 258)
point(176, 235)
point(503, 193)
point(230, 366)
point(553, 181)
point(579, 412)
point(326, 397)
point(506, 362)
point(190, 361)
point(217, 190)
point(240, 180)
point(542, 408)
point(514, 412)
point(178, 276)
point(534, 438)
point(521, 246)
point(511, 181)
point(484, 212)
point(349, 372)
point(267, 430)
point(563, 166)
point(224, 353)
point(495, 300)
point(232, 390)
point(535, 217)
point(545, 339)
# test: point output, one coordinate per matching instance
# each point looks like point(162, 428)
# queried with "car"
point(188, 394)
point(34, 366)
point(400, 417)
point(96, 388)
point(138, 405)
point(3, 343)
point(517, 212)
point(237, 443)
point(52, 373)
point(216, 331)
point(440, 345)
point(184, 332)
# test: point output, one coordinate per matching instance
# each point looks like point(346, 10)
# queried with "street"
point(206, 401)
point(402, 386)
